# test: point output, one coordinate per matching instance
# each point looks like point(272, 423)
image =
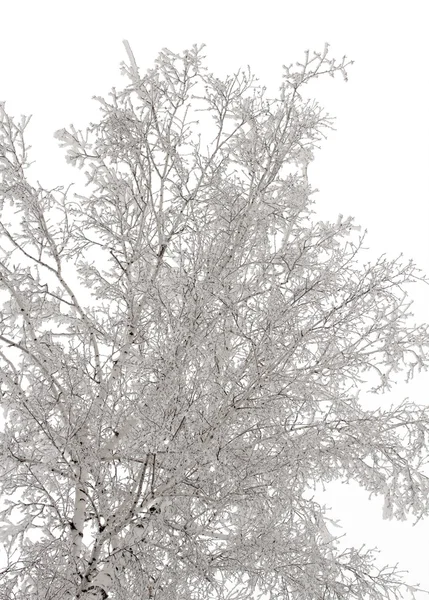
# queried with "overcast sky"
point(54, 56)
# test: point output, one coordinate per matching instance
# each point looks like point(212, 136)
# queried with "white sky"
point(54, 56)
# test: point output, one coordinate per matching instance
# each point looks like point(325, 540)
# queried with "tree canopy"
point(182, 347)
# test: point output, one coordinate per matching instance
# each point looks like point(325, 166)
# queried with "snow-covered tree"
point(182, 347)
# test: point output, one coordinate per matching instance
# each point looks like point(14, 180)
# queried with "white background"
point(54, 56)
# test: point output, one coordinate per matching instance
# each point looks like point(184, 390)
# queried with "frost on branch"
point(182, 346)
